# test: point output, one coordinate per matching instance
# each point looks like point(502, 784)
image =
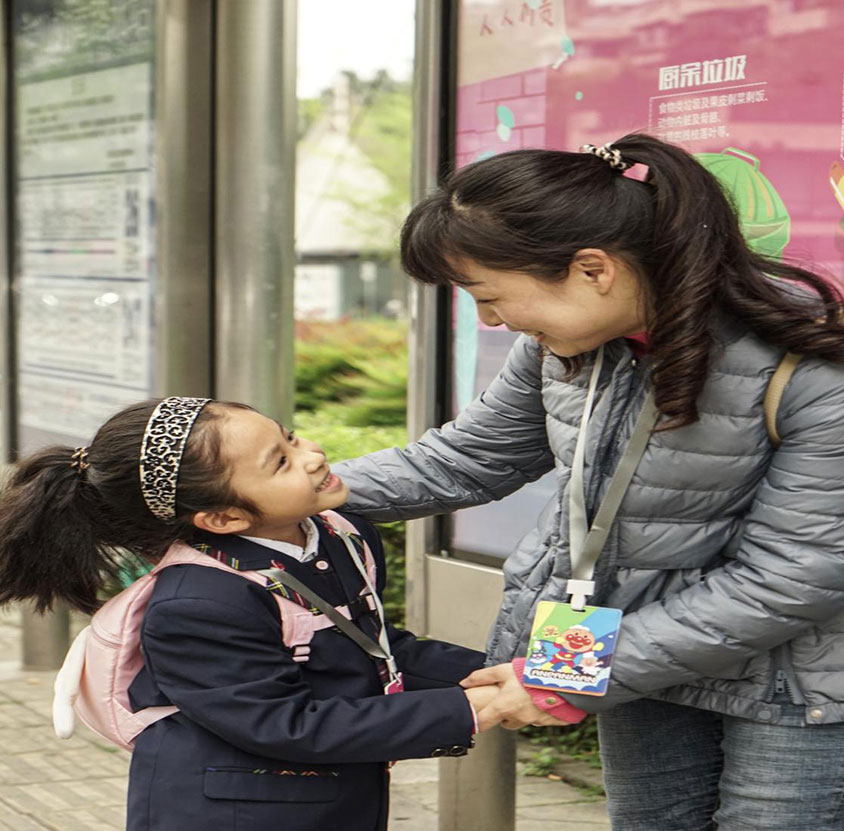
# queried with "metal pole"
point(255, 158)
point(7, 352)
point(184, 188)
point(44, 638)
point(479, 790)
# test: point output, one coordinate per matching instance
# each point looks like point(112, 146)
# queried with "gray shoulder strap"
point(346, 626)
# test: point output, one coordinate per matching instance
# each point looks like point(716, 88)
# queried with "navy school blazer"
point(262, 743)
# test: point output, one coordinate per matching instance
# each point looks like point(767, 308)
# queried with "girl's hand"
point(480, 698)
point(512, 707)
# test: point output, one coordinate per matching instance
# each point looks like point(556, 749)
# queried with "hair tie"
point(612, 156)
point(162, 447)
point(78, 460)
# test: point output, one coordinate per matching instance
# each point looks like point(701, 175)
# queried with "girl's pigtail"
point(49, 547)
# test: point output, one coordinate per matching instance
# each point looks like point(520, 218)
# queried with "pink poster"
point(753, 87)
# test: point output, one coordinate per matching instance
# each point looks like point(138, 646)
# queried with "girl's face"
point(599, 300)
point(285, 476)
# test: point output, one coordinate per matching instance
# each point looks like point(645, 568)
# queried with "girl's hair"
point(532, 210)
point(62, 532)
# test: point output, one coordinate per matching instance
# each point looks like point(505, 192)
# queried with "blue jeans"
point(673, 768)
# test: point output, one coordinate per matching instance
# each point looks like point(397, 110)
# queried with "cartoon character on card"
point(576, 652)
point(544, 646)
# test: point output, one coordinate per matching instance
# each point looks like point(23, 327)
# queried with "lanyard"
point(585, 541)
point(383, 640)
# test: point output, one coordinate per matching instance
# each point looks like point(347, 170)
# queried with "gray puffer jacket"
point(726, 557)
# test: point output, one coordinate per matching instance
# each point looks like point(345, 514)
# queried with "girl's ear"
point(229, 521)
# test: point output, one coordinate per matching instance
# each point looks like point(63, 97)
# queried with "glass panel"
point(83, 82)
point(755, 89)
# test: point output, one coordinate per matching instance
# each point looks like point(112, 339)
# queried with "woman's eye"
point(281, 462)
point(291, 437)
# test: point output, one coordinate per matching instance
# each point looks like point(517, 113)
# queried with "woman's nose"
point(488, 316)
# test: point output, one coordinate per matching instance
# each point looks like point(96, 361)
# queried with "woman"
point(726, 703)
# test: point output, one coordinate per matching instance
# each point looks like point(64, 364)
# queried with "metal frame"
point(255, 176)
point(424, 381)
point(478, 791)
point(7, 347)
point(184, 118)
point(431, 574)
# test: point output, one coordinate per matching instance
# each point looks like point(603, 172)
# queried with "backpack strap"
point(335, 522)
point(773, 395)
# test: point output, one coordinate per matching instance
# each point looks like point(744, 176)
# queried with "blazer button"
point(458, 750)
point(439, 751)
point(322, 565)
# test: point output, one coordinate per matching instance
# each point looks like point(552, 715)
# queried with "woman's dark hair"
point(532, 210)
point(63, 532)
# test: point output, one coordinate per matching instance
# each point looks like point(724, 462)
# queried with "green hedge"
point(351, 394)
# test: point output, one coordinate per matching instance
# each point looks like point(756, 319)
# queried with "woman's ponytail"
point(49, 547)
point(700, 265)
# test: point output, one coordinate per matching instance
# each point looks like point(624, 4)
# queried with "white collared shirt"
point(303, 555)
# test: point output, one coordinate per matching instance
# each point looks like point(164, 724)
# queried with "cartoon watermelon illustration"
point(836, 179)
point(764, 218)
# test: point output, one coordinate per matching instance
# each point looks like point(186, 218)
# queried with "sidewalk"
point(80, 784)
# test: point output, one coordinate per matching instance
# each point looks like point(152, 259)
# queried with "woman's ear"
point(229, 521)
point(597, 267)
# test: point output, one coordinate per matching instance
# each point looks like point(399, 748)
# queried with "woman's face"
point(600, 299)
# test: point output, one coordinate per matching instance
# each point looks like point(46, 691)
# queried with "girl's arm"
point(224, 666)
point(491, 449)
point(787, 575)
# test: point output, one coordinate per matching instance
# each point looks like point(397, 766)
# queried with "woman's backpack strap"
point(773, 395)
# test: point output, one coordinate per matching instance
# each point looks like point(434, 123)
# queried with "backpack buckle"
point(301, 653)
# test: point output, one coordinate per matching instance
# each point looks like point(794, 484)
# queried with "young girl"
point(726, 700)
point(261, 741)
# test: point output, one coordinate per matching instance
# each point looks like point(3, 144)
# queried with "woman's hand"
point(512, 707)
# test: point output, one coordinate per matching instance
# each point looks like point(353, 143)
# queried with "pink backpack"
point(105, 657)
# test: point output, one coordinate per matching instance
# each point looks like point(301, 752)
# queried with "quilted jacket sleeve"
point(494, 447)
point(786, 577)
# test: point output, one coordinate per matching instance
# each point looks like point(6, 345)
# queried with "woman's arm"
point(491, 449)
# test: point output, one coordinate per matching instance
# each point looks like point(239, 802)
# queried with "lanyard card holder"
point(571, 651)
point(571, 644)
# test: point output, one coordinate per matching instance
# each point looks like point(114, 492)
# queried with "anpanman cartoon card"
point(571, 651)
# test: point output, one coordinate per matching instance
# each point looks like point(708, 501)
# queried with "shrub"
point(351, 394)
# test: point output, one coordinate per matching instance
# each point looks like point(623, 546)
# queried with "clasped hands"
point(499, 698)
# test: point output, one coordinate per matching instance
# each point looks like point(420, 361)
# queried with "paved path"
point(80, 784)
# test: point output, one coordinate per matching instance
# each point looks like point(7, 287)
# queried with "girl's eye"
point(291, 437)
point(281, 462)
point(481, 302)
